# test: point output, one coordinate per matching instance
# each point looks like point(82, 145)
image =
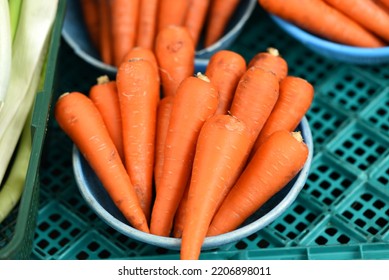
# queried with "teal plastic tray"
point(342, 212)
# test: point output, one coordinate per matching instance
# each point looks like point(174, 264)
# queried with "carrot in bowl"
point(271, 60)
point(195, 18)
point(295, 98)
point(105, 96)
point(318, 17)
point(171, 12)
point(138, 90)
point(79, 118)
point(221, 152)
point(175, 53)
point(274, 164)
point(224, 69)
point(195, 101)
point(366, 13)
point(91, 18)
point(147, 25)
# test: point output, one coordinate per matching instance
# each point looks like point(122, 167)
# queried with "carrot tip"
point(202, 77)
point(102, 79)
point(273, 51)
point(297, 135)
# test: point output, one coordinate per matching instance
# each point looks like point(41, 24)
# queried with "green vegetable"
point(14, 13)
point(28, 55)
point(5, 50)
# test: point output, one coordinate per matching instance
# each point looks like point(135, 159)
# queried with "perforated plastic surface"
point(342, 212)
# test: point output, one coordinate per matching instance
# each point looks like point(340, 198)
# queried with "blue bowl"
point(75, 34)
point(99, 201)
point(339, 52)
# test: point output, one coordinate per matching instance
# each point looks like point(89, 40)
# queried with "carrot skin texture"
point(195, 18)
point(254, 99)
point(147, 25)
point(105, 97)
point(124, 26)
point(90, 15)
point(79, 118)
point(221, 152)
point(332, 25)
point(220, 12)
point(180, 216)
point(295, 97)
point(163, 117)
point(138, 91)
point(175, 53)
point(272, 61)
point(224, 69)
point(105, 32)
point(274, 164)
point(185, 123)
point(366, 13)
point(172, 12)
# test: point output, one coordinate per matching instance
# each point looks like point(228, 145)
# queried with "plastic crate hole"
point(310, 217)
point(360, 85)
point(339, 86)
point(331, 231)
point(263, 243)
point(347, 214)
point(43, 244)
point(336, 192)
point(316, 193)
point(360, 151)
point(369, 214)
point(53, 251)
point(65, 225)
point(381, 222)
point(327, 201)
point(291, 235)
point(360, 223)
point(383, 180)
point(54, 217)
point(161, 251)
point(241, 245)
point(43, 226)
point(301, 226)
point(323, 168)
point(334, 175)
point(346, 183)
point(321, 240)
point(351, 159)
point(325, 185)
point(313, 177)
point(104, 254)
point(343, 239)
point(93, 246)
point(372, 230)
point(64, 241)
point(252, 236)
point(379, 204)
point(280, 228)
point(367, 197)
point(54, 234)
point(299, 209)
point(75, 232)
point(357, 206)
point(82, 255)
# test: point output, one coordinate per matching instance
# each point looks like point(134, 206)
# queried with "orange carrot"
point(104, 95)
point(384, 3)
point(274, 164)
point(90, 15)
point(124, 26)
point(175, 53)
point(318, 17)
point(254, 99)
point(147, 26)
point(138, 91)
point(163, 117)
point(195, 101)
point(171, 12)
point(366, 13)
point(220, 12)
point(79, 118)
point(179, 218)
point(222, 149)
point(105, 32)
point(144, 53)
point(295, 98)
point(224, 69)
point(271, 60)
point(195, 18)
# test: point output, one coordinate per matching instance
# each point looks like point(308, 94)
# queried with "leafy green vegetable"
point(5, 50)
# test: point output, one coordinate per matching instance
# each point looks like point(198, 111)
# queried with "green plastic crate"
point(341, 213)
point(17, 231)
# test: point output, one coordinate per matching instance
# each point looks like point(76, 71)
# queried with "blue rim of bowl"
point(209, 242)
point(329, 46)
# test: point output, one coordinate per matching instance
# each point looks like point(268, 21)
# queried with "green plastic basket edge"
point(40, 116)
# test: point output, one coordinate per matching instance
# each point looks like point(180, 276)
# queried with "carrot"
point(323, 20)
point(105, 32)
point(254, 99)
point(195, 101)
point(366, 13)
point(144, 53)
point(220, 12)
point(274, 164)
point(179, 218)
point(195, 18)
point(384, 3)
point(222, 149)
point(271, 60)
point(147, 26)
point(175, 53)
point(224, 69)
point(295, 98)
point(163, 117)
point(90, 15)
point(105, 97)
point(79, 118)
point(124, 26)
point(171, 12)
point(138, 91)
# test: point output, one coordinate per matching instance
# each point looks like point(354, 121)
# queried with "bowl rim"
point(308, 38)
point(209, 242)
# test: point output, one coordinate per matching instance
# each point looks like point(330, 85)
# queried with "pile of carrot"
point(116, 26)
point(359, 23)
point(190, 155)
